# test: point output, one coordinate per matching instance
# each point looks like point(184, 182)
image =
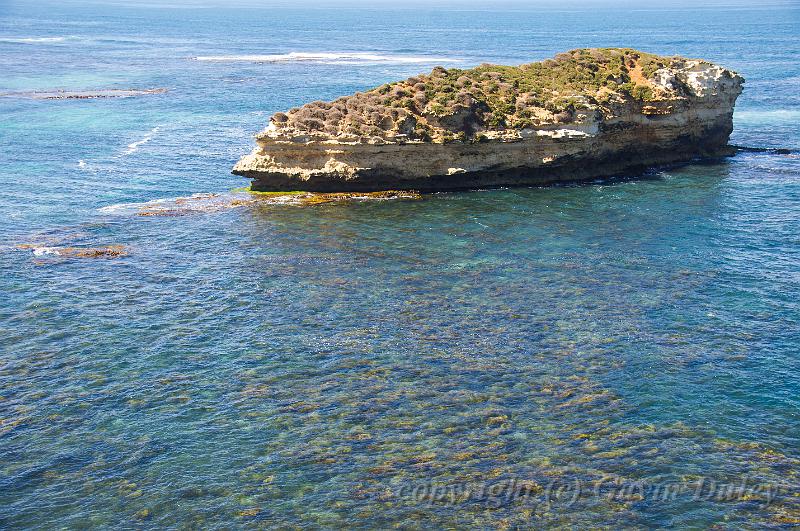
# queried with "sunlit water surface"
point(324, 366)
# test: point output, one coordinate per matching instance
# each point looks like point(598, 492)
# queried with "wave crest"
point(134, 146)
point(327, 58)
point(32, 40)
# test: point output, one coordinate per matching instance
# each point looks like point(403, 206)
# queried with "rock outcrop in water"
point(584, 114)
point(83, 94)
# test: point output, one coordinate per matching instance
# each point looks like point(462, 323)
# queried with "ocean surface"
point(620, 354)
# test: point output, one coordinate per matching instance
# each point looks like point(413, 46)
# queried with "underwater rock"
point(108, 251)
point(584, 114)
point(212, 202)
point(105, 251)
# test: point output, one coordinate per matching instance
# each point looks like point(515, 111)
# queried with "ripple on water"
point(607, 355)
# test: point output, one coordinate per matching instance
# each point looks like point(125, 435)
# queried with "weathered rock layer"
point(583, 115)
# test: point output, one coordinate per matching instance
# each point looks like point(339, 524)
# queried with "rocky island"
point(584, 114)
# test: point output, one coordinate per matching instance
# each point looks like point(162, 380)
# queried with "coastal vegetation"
point(461, 104)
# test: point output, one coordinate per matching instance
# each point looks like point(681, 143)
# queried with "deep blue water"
point(281, 366)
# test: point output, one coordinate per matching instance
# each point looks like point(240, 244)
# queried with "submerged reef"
point(49, 251)
point(584, 114)
point(245, 197)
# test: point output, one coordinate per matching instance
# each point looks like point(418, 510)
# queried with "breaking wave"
point(327, 58)
point(134, 146)
point(32, 40)
point(45, 251)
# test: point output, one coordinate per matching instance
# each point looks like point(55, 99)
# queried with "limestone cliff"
point(585, 114)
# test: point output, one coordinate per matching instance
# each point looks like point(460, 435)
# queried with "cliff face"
point(582, 115)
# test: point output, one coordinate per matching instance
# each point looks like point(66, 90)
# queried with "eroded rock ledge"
point(585, 114)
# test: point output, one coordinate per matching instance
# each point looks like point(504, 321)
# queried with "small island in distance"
point(585, 114)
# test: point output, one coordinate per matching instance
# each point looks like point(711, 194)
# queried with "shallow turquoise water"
point(278, 366)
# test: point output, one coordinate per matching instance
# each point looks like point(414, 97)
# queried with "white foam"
point(32, 40)
point(45, 251)
point(134, 146)
point(81, 163)
point(327, 58)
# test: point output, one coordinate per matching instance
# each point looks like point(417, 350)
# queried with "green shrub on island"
point(459, 105)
